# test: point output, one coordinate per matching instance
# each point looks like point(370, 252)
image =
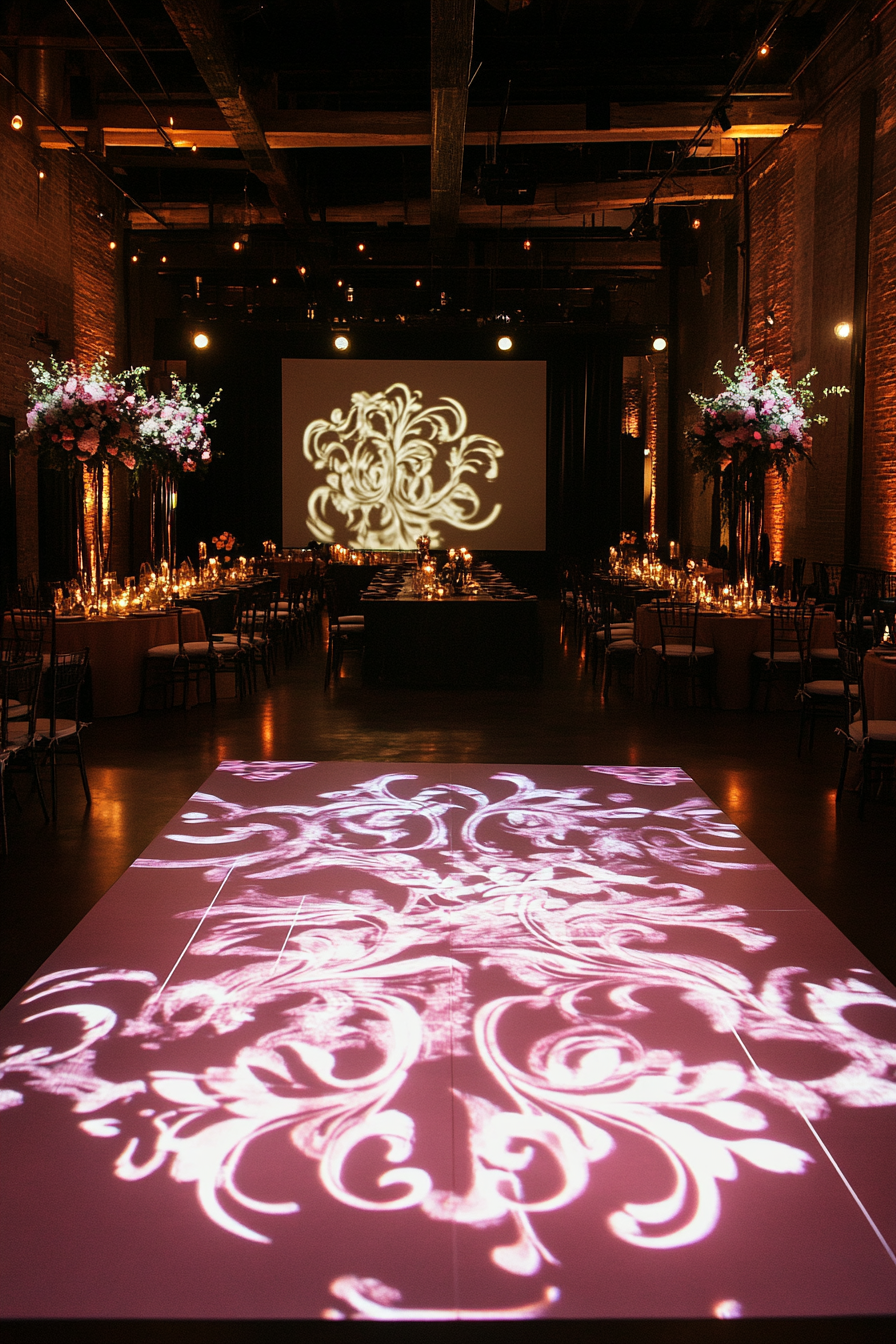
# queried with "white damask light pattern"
point(394, 469)
point(535, 938)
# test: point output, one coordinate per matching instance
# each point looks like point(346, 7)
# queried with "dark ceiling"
point(448, 134)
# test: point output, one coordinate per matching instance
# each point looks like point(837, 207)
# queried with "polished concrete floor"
point(142, 769)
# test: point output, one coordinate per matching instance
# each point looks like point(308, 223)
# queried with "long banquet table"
point(734, 638)
point(117, 649)
point(456, 641)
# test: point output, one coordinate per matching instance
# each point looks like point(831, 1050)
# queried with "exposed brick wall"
point(57, 276)
point(802, 239)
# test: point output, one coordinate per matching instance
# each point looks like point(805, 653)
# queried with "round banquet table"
point(734, 638)
point(117, 649)
point(880, 686)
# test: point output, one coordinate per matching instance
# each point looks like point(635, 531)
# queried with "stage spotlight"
point(696, 223)
point(340, 343)
point(843, 331)
point(361, 247)
point(237, 245)
point(134, 257)
point(505, 343)
point(770, 318)
point(417, 284)
point(302, 270)
point(659, 343)
point(200, 340)
point(163, 259)
point(527, 245)
point(17, 123)
point(273, 279)
point(112, 245)
point(763, 50)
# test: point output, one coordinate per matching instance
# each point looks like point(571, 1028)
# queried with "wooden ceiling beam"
point(124, 126)
point(204, 31)
point(451, 52)
point(556, 206)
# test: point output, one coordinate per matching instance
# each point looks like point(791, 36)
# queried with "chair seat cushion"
point(879, 730)
point(193, 649)
point(621, 646)
point(64, 727)
point(18, 735)
point(348, 620)
point(781, 656)
point(826, 655)
point(684, 650)
point(16, 710)
point(828, 688)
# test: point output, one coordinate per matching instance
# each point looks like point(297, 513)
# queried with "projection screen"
point(378, 451)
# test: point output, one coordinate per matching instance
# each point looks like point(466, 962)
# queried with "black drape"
point(242, 492)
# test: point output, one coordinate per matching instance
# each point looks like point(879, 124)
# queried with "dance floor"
point(450, 1042)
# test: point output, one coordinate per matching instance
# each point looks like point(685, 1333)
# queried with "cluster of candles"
point(456, 574)
point(691, 583)
point(156, 589)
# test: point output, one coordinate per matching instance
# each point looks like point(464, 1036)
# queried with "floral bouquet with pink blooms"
point(174, 429)
point(758, 426)
point(79, 414)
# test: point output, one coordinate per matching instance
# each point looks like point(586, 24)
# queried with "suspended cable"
point(139, 48)
point(718, 108)
point(42, 112)
point(122, 76)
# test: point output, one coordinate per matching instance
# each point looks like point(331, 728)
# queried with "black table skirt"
point(455, 643)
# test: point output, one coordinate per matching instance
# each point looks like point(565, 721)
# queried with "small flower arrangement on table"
point(757, 426)
point(226, 543)
point(83, 414)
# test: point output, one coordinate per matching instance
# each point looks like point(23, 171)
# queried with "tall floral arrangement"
point(759, 426)
point(174, 429)
point(83, 414)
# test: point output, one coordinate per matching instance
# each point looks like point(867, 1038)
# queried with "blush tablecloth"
point(734, 638)
point(117, 649)
point(880, 687)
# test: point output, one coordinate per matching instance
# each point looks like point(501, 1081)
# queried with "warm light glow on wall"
point(505, 343)
point(200, 340)
point(341, 343)
point(112, 245)
point(843, 331)
point(17, 123)
point(659, 343)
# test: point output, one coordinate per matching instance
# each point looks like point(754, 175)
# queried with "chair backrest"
point(69, 671)
point(20, 681)
point(791, 628)
point(852, 670)
point(678, 623)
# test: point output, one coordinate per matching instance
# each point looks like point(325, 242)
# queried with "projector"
point(505, 186)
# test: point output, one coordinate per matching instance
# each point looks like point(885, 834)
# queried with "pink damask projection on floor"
point(448, 1042)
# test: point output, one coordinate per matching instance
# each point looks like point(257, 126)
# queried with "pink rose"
point(71, 386)
point(757, 436)
point(750, 413)
point(129, 460)
point(31, 419)
point(112, 450)
point(190, 465)
point(89, 442)
point(206, 454)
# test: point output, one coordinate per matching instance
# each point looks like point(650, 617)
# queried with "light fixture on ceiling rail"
point(770, 318)
point(200, 340)
point(112, 244)
point(17, 123)
point(659, 344)
point(505, 343)
point(273, 279)
point(763, 49)
point(696, 222)
point(341, 343)
point(717, 113)
point(843, 331)
point(163, 259)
